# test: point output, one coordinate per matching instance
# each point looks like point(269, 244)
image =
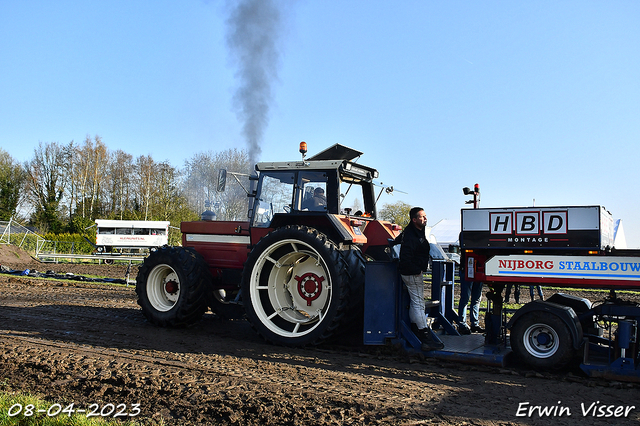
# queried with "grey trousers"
point(415, 286)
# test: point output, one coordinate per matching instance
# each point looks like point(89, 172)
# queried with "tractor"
point(295, 269)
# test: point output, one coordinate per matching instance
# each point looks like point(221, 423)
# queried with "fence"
point(11, 232)
point(63, 247)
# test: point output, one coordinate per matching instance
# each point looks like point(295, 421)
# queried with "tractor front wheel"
point(171, 286)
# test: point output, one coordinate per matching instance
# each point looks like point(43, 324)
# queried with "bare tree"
point(79, 177)
point(201, 177)
point(99, 158)
point(72, 175)
point(46, 178)
point(120, 194)
point(234, 202)
point(145, 187)
point(87, 174)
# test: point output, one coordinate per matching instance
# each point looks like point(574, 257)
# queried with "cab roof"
point(337, 157)
point(337, 152)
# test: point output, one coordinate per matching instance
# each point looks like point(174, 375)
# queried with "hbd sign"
point(571, 226)
point(528, 222)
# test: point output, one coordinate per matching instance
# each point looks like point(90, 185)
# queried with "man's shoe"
point(428, 341)
point(463, 329)
point(427, 347)
point(477, 329)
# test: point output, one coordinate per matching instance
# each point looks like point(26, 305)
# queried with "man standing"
point(414, 260)
point(468, 289)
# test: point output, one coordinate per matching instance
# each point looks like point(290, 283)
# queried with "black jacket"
point(414, 250)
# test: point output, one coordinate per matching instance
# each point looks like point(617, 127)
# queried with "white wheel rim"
point(541, 341)
point(163, 287)
point(298, 287)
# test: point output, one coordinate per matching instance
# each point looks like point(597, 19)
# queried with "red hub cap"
point(171, 287)
point(309, 286)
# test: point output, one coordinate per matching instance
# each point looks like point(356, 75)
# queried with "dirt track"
point(89, 343)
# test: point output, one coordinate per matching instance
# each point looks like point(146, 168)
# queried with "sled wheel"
point(542, 341)
point(171, 286)
point(296, 286)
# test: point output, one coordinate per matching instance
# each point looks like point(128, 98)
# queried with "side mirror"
point(222, 180)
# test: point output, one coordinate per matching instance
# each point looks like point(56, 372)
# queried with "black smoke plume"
point(253, 32)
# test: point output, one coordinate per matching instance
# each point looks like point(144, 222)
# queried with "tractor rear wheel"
point(297, 285)
point(171, 286)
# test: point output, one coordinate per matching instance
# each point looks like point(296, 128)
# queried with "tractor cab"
point(330, 182)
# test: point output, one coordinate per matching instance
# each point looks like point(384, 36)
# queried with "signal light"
point(476, 195)
point(303, 149)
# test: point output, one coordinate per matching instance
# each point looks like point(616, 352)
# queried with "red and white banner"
point(564, 267)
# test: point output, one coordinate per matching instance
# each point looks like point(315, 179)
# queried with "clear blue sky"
point(532, 100)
